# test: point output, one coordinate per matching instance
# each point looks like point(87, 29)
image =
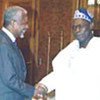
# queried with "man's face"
point(24, 26)
point(21, 27)
point(81, 29)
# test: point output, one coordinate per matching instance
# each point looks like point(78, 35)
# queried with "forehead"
point(79, 21)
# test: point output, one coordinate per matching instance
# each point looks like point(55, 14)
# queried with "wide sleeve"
point(9, 76)
point(49, 81)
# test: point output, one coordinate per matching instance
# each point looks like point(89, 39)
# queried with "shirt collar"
point(9, 34)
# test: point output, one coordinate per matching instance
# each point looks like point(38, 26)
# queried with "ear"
point(13, 23)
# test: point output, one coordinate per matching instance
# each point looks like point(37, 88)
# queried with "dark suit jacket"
point(12, 72)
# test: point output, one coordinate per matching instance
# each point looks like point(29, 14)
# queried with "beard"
point(22, 33)
point(22, 36)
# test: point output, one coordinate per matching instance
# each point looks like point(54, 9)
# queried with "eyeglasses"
point(74, 27)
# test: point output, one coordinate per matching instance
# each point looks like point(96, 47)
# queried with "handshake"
point(40, 92)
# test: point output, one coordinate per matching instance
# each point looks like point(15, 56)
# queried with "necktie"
point(15, 43)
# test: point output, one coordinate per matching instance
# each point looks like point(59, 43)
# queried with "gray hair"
point(13, 13)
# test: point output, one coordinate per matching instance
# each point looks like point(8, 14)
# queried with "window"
point(91, 2)
point(98, 2)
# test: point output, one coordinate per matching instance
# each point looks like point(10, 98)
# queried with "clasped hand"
point(40, 92)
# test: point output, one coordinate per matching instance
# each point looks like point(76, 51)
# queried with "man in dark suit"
point(12, 64)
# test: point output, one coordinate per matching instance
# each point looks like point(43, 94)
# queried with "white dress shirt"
point(9, 34)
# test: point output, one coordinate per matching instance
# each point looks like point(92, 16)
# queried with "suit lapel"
point(8, 41)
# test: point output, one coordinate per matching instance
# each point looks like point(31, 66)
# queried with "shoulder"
point(2, 38)
point(1, 34)
point(66, 52)
point(71, 47)
point(5, 44)
point(96, 39)
point(4, 47)
point(95, 42)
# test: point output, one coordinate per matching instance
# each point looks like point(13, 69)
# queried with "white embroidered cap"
point(83, 14)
